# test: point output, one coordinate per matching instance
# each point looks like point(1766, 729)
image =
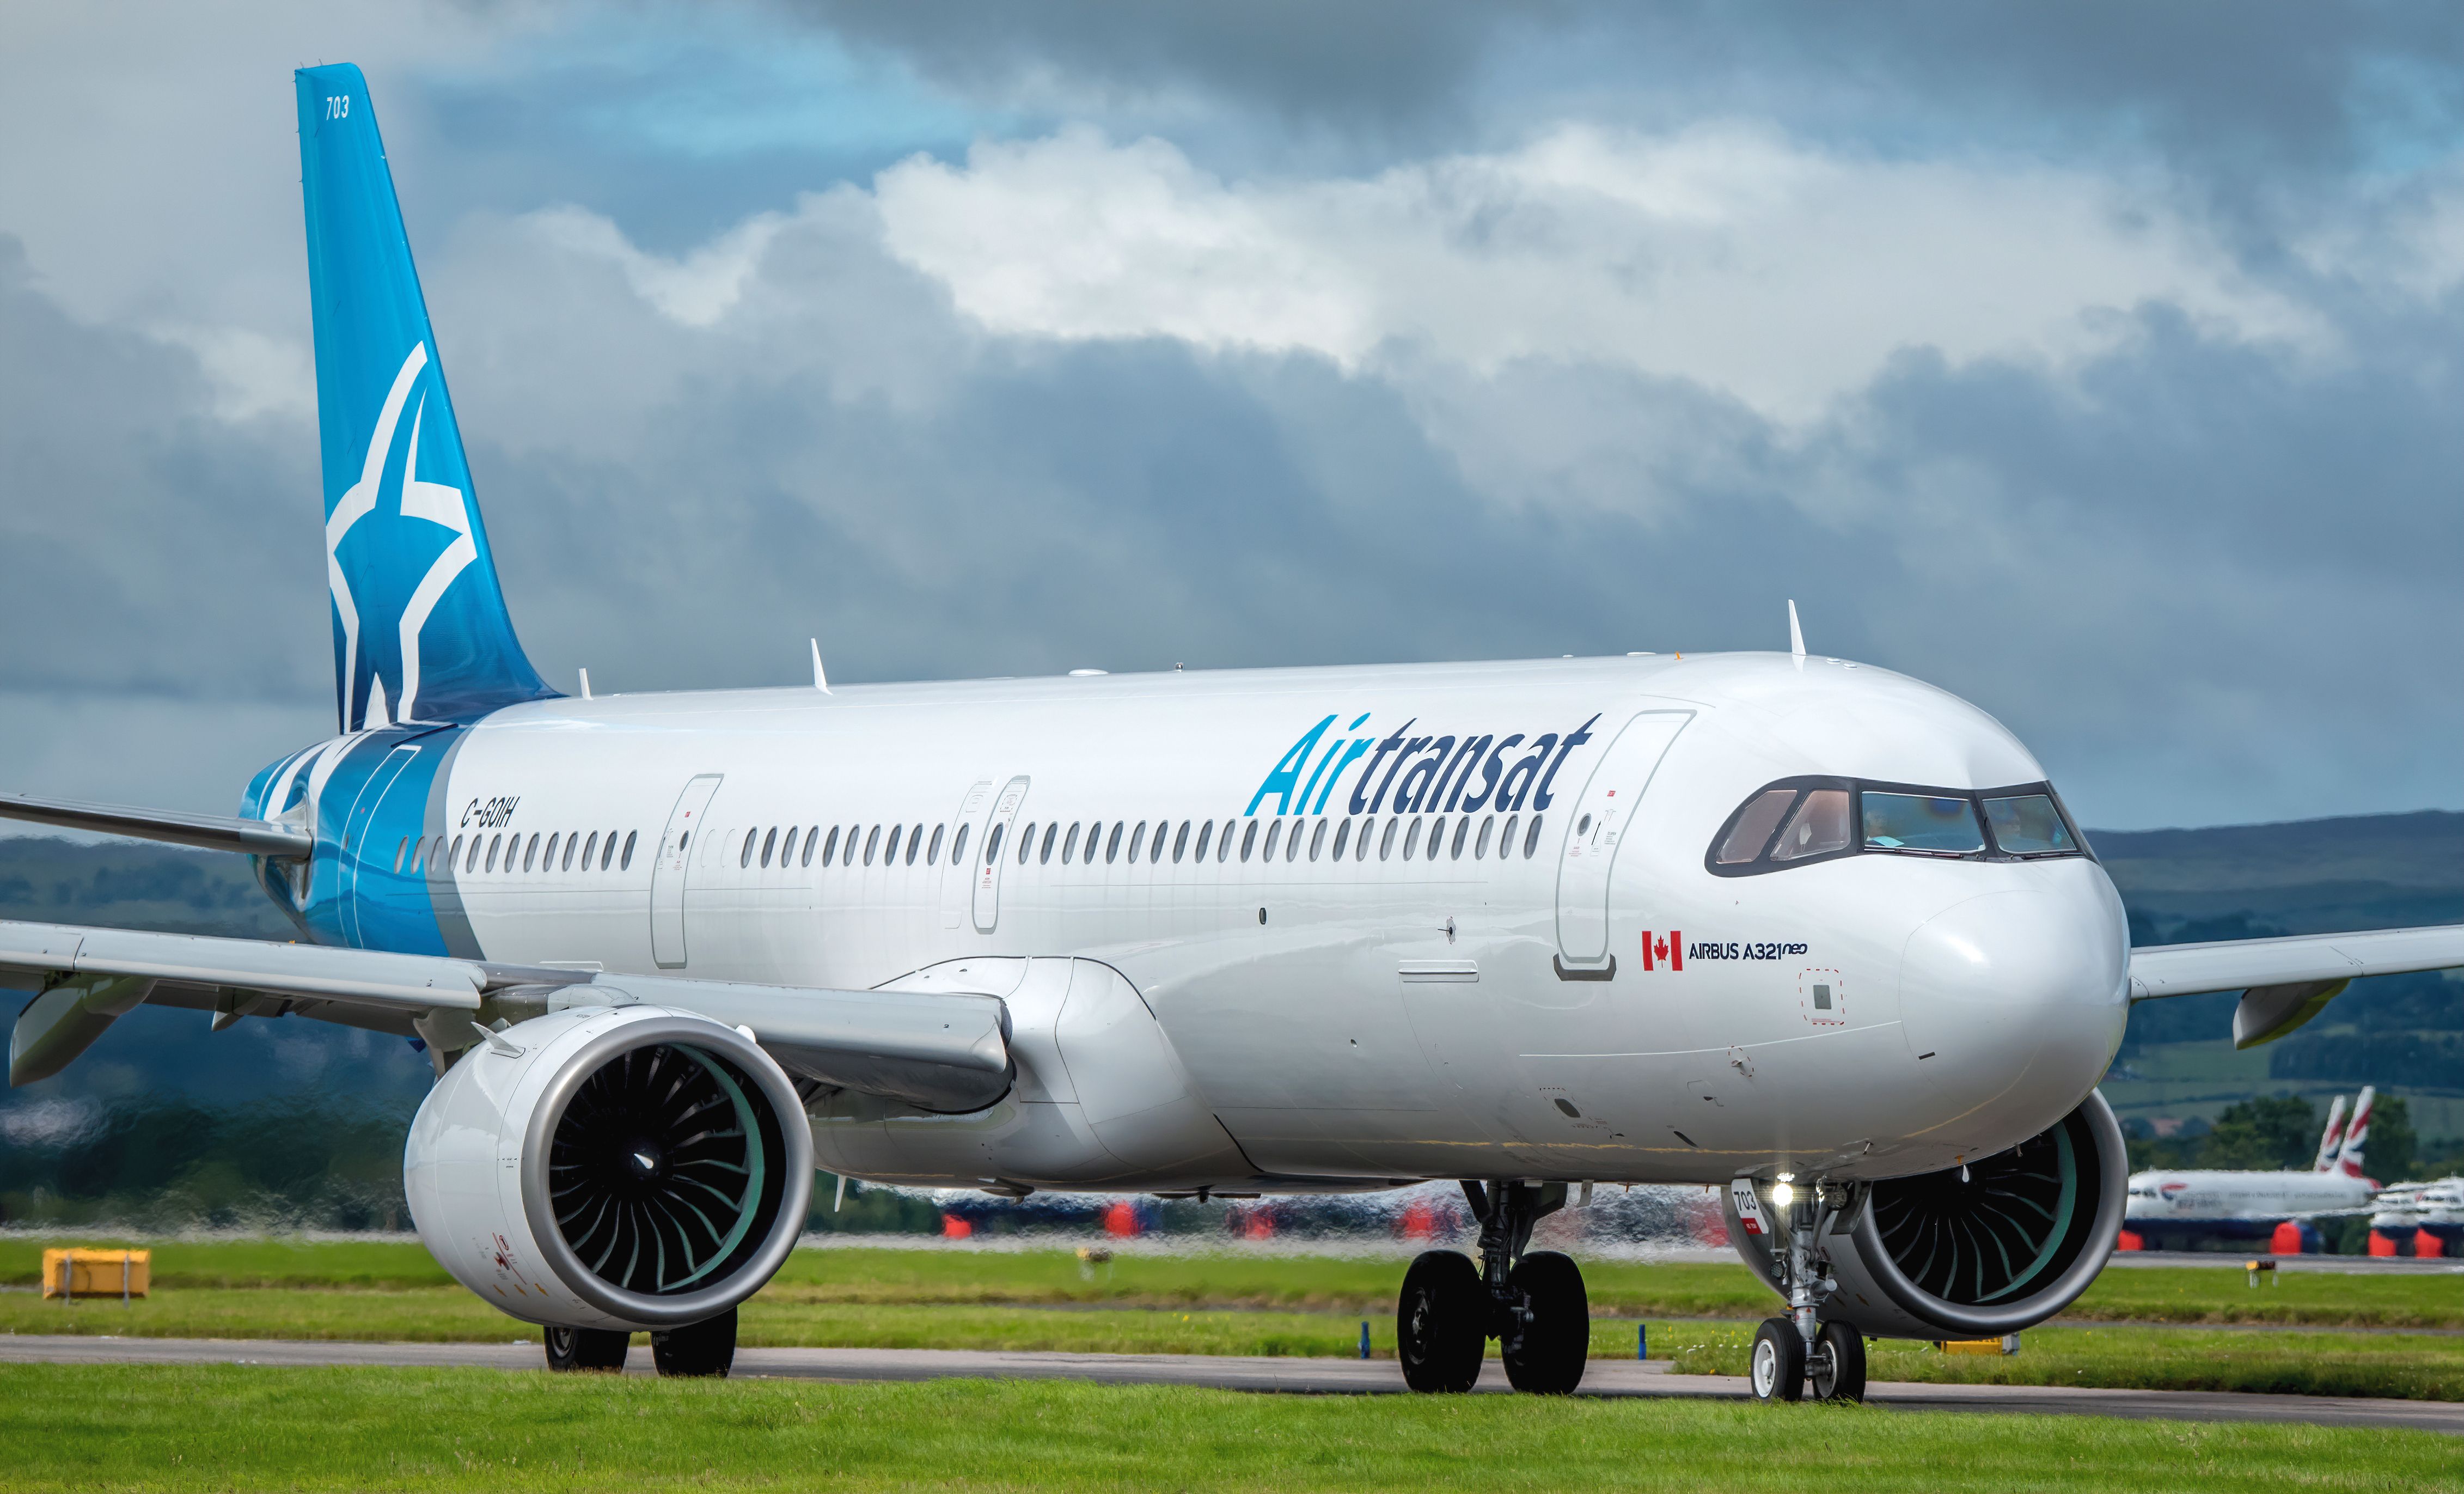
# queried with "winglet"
point(821, 681)
point(1795, 634)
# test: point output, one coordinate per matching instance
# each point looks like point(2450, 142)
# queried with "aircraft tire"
point(1545, 1356)
point(1840, 1365)
point(1441, 1323)
point(570, 1349)
point(1777, 1371)
point(703, 1348)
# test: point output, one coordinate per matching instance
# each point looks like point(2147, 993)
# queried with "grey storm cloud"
point(1079, 397)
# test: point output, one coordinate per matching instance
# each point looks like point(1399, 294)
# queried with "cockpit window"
point(1752, 831)
point(1797, 822)
point(1933, 825)
point(2027, 825)
point(1819, 827)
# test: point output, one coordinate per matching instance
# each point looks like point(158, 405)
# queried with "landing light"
point(1783, 1195)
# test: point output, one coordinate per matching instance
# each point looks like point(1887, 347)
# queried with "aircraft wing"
point(2286, 981)
point(941, 1050)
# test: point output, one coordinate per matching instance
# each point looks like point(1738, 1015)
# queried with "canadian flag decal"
point(1665, 949)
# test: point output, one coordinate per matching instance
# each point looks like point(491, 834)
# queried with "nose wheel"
point(1532, 1301)
point(1803, 1350)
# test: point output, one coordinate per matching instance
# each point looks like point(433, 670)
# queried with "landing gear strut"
point(1790, 1351)
point(1530, 1300)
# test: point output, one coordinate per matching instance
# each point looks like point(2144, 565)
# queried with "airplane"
point(1793, 927)
point(2170, 1208)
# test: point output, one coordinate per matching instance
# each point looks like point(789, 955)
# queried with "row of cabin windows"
point(1084, 842)
point(562, 852)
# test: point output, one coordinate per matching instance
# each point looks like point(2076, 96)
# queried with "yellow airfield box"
point(96, 1273)
point(2007, 1343)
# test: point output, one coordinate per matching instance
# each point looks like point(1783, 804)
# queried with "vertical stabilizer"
point(2332, 1139)
point(2357, 1134)
point(420, 628)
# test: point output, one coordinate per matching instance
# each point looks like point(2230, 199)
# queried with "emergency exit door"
point(667, 872)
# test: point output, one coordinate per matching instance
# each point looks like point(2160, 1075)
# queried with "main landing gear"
point(1530, 1300)
point(704, 1348)
point(1803, 1348)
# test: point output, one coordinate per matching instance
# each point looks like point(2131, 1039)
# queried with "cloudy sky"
point(2095, 362)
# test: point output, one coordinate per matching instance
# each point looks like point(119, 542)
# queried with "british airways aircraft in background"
point(2169, 1210)
point(1812, 933)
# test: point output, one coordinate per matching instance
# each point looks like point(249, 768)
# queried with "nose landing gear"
point(1803, 1347)
point(1530, 1300)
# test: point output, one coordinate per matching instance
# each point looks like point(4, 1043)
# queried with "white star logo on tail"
point(436, 502)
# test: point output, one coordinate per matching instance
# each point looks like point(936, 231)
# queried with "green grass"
point(221, 1427)
point(1315, 1283)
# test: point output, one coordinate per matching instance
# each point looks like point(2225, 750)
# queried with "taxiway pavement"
point(1605, 1377)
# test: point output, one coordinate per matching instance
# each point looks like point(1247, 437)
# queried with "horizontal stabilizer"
point(207, 832)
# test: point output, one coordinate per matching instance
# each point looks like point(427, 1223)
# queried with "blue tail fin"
point(420, 628)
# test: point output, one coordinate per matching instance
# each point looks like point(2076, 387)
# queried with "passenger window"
point(1754, 827)
point(1051, 833)
point(1027, 844)
point(496, 844)
point(1113, 847)
point(1274, 829)
point(569, 853)
point(607, 852)
point(455, 854)
point(1939, 825)
point(831, 846)
point(915, 841)
point(744, 857)
point(872, 843)
point(1506, 837)
point(530, 855)
point(933, 853)
point(1412, 838)
point(1205, 833)
point(992, 844)
point(812, 838)
point(1386, 843)
point(959, 845)
point(401, 853)
point(1531, 837)
point(1487, 827)
point(625, 865)
point(1292, 843)
point(1070, 842)
point(548, 863)
point(1180, 843)
point(769, 846)
point(1248, 839)
point(1224, 844)
point(1436, 836)
point(1462, 828)
point(1342, 834)
point(1360, 846)
point(1317, 839)
point(2027, 825)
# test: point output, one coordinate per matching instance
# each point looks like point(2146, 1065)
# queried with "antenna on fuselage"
point(1795, 634)
point(586, 684)
point(821, 681)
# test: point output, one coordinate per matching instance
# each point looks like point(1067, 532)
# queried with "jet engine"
point(1990, 1248)
point(623, 1168)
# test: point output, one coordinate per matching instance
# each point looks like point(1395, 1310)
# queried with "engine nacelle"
point(1938, 1256)
point(615, 1168)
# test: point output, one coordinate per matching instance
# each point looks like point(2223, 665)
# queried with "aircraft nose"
point(2013, 1001)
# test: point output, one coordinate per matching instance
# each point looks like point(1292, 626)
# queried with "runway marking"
point(1607, 1378)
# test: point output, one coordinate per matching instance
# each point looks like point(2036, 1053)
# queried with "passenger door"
point(1594, 830)
point(667, 872)
point(356, 829)
point(992, 850)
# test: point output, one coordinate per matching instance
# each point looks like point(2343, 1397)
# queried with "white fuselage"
point(1404, 1015)
point(2187, 1197)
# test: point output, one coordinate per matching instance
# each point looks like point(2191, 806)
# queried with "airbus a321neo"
point(1812, 933)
